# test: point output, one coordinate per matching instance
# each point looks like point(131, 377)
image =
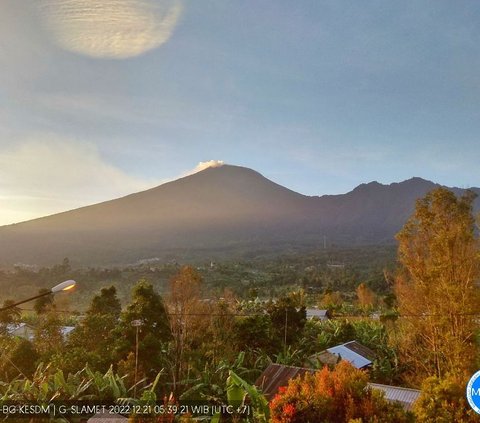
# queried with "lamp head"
point(64, 286)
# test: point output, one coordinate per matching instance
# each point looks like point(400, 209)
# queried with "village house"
point(315, 313)
point(278, 375)
point(355, 353)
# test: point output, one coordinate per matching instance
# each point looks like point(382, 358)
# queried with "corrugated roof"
point(319, 314)
point(405, 396)
point(352, 357)
point(277, 375)
point(361, 349)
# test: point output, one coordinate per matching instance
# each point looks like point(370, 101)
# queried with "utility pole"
point(136, 324)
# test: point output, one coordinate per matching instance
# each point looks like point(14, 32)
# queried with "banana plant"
point(45, 386)
point(240, 396)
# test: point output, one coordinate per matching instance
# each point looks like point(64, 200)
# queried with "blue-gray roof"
point(405, 396)
point(347, 354)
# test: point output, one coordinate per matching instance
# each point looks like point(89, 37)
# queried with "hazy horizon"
point(214, 164)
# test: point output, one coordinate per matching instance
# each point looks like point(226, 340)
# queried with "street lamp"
point(64, 286)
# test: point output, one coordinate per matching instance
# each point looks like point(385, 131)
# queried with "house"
point(277, 375)
point(315, 313)
point(355, 353)
point(26, 331)
point(22, 330)
point(66, 330)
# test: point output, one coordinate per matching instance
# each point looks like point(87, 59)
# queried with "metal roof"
point(405, 396)
point(361, 349)
point(277, 375)
point(352, 357)
point(319, 314)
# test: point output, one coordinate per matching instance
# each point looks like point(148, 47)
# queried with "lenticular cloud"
point(115, 29)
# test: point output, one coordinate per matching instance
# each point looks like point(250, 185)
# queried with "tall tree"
point(93, 340)
point(49, 339)
point(437, 286)
point(188, 315)
point(288, 316)
point(148, 308)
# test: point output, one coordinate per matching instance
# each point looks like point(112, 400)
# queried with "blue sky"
point(320, 96)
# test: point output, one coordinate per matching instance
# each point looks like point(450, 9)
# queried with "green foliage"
point(107, 303)
point(93, 340)
point(237, 392)
point(320, 335)
point(288, 317)
point(148, 307)
point(209, 384)
point(48, 336)
point(253, 332)
point(43, 303)
point(47, 385)
point(18, 358)
point(444, 401)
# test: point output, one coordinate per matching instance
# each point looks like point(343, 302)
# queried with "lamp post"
point(64, 286)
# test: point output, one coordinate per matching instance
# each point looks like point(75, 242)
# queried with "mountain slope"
point(217, 208)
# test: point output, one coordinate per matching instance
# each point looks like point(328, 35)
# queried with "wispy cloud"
point(110, 28)
point(49, 174)
point(205, 165)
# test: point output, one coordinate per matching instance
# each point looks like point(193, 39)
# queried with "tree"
point(48, 335)
point(43, 303)
point(148, 307)
point(18, 358)
point(436, 288)
point(188, 316)
point(443, 401)
point(288, 317)
point(105, 303)
point(253, 332)
point(366, 297)
point(331, 299)
point(93, 340)
point(340, 395)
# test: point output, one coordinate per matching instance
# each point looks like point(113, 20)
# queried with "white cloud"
point(49, 175)
point(110, 28)
point(205, 165)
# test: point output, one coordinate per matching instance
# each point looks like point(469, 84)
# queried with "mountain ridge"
point(213, 209)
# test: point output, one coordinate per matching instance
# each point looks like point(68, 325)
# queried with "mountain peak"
point(417, 180)
point(219, 207)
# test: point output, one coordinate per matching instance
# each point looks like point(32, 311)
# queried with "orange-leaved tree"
point(437, 286)
point(340, 395)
